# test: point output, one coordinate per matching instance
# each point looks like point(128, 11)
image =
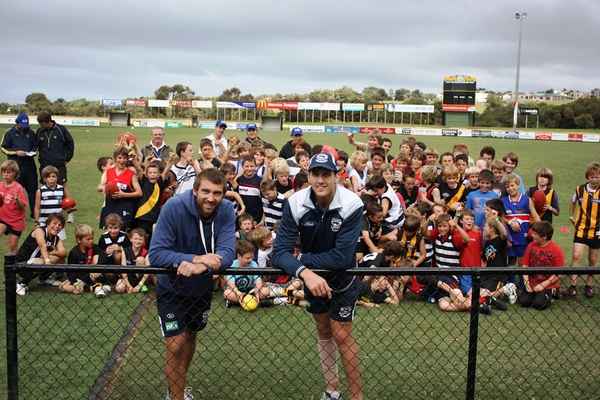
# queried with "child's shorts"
point(10, 230)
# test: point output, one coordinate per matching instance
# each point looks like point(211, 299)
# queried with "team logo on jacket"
point(336, 224)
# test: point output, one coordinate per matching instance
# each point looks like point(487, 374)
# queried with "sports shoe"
point(71, 217)
point(588, 291)
point(327, 395)
point(510, 290)
point(22, 289)
point(107, 289)
point(280, 301)
point(571, 291)
point(99, 292)
point(497, 304)
point(485, 309)
point(187, 394)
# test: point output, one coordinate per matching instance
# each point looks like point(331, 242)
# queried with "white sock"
point(328, 356)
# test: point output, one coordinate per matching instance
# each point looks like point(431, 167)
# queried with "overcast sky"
point(117, 49)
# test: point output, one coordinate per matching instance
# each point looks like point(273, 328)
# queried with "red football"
point(110, 188)
point(68, 203)
point(331, 150)
point(539, 201)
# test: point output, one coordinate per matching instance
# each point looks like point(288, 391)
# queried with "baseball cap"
point(296, 131)
point(322, 160)
point(221, 123)
point(22, 120)
point(251, 127)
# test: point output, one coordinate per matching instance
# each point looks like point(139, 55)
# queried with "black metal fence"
point(64, 346)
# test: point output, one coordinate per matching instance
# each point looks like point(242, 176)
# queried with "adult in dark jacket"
point(55, 145)
point(327, 219)
point(194, 235)
point(287, 150)
point(20, 144)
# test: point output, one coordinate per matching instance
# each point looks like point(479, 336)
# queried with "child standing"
point(272, 203)
point(544, 179)
point(519, 211)
point(13, 203)
point(249, 188)
point(359, 173)
point(476, 200)
point(149, 205)
point(49, 197)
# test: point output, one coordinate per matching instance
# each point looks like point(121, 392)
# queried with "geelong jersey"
point(586, 224)
point(106, 240)
point(50, 202)
point(30, 249)
point(517, 210)
point(373, 260)
point(395, 216)
point(272, 210)
point(184, 176)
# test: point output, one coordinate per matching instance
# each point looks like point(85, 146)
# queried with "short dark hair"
point(227, 168)
point(180, 147)
point(248, 158)
point(486, 175)
point(57, 216)
point(446, 154)
point(378, 151)
point(244, 247)
point(44, 117)
point(212, 175)
point(206, 142)
point(300, 180)
point(393, 248)
point(373, 207)
point(112, 219)
point(268, 185)
point(377, 182)
point(316, 149)
point(102, 161)
point(488, 150)
point(412, 223)
point(342, 155)
point(461, 156)
point(496, 205)
point(543, 228)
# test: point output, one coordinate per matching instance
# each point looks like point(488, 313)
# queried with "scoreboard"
point(459, 90)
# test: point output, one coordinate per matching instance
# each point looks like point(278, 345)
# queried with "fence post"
point(473, 334)
point(12, 355)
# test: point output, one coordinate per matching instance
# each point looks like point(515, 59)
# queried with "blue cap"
point(221, 123)
point(251, 127)
point(322, 160)
point(22, 120)
point(296, 131)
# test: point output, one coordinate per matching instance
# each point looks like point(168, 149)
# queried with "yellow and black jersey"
point(411, 245)
point(586, 220)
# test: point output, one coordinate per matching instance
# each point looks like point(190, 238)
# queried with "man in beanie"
point(20, 144)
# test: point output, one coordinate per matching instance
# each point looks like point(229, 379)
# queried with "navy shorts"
point(10, 230)
point(182, 313)
point(340, 307)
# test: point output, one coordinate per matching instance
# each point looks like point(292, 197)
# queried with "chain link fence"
point(64, 346)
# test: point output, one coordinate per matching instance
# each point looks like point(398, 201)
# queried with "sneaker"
point(497, 304)
point(99, 292)
point(588, 291)
point(227, 304)
point(327, 395)
point(280, 301)
point(71, 218)
point(510, 290)
point(22, 289)
point(188, 393)
point(571, 291)
point(485, 309)
point(107, 289)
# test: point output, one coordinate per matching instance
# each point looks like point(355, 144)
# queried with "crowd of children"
point(421, 209)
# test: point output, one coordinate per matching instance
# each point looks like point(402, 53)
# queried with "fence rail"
point(73, 347)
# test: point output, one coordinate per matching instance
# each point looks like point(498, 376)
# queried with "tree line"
point(579, 114)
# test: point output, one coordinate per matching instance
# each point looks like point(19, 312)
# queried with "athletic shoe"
point(485, 309)
point(497, 304)
point(327, 395)
point(71, 217)
point(571, 291)
point(107, 289)
point(99, 292)
point(227, 304)
point(22, 289)
point(280, 301)
point(510, 290)
point(187, 394)
point(588, 291)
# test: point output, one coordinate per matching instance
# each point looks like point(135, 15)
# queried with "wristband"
point(299, 271)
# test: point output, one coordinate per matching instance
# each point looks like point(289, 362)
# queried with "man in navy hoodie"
point(194, 235)
point(327, 219)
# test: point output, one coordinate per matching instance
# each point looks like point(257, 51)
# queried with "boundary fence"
point(525, 353)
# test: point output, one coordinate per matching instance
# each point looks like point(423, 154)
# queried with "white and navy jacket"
point(327, 237)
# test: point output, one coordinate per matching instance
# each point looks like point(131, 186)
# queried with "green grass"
point(411, 349)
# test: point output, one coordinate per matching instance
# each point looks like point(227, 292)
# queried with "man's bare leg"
point(348, 348)
point(180, 351)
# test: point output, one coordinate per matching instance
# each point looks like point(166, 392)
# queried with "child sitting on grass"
point(85, 252)
point(135, 255)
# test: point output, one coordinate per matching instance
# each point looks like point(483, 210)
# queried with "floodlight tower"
point(519, 16)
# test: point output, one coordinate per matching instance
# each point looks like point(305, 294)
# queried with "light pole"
point(519, 16)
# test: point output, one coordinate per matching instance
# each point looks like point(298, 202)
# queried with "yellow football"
point(249, 303)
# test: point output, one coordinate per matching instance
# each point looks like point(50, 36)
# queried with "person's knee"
point(177, 346)
point(541, 301)
point(323, 326)
point(342, 332)
point(593, 257)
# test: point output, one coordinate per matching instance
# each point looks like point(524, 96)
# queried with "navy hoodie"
point(176, 238)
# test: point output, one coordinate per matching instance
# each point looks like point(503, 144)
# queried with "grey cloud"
point(128, 48)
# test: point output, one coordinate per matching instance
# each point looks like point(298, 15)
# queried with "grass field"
point(410, 349)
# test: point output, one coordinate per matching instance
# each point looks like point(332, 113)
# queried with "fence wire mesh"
point(81, 346)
